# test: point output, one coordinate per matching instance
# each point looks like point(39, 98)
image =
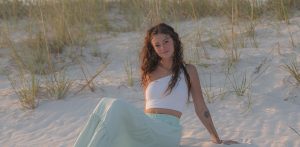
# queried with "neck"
point(167, 63)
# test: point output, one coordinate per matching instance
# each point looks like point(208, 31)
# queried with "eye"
point(157, 45)
point(166, 41)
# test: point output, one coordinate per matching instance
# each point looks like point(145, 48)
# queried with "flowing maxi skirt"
point(116, 123)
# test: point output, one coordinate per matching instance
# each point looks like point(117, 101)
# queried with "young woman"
point(167, 82)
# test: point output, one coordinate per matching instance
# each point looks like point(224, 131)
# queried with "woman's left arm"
point(199, 103)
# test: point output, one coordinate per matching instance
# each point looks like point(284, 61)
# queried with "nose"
point(160, 48)
point(163, 47)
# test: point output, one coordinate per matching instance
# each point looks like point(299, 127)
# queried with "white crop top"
point(156, 97)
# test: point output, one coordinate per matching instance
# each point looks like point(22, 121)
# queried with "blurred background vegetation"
point(39, 32)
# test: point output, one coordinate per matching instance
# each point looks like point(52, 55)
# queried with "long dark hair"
point(150, 59)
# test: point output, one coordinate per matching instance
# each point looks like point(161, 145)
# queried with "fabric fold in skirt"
point(116, 123)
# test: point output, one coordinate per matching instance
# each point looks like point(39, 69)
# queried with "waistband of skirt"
point(158, 115)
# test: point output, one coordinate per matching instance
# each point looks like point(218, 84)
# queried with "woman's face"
point(163, 45)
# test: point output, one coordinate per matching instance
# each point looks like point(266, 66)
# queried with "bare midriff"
point(164, 111)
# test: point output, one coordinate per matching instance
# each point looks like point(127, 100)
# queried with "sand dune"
point(270, 121)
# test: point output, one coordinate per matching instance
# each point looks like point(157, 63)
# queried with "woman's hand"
point(216, 139)
point(226, 142)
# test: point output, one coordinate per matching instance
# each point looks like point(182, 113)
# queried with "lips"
point(164, 52)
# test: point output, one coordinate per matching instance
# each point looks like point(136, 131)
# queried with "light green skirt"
point(116, 123)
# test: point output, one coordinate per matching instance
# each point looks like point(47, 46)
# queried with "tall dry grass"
point(57, 85)
point(14, 9)
point(26, 86)
point(128, 67)
point(240, 84)
point(144, 13)
point(241, 9)
point(283, 9)
point(56, 25)
point(128, 15)
point(293, 68)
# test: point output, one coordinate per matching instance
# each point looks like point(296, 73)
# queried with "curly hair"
point(149, 58)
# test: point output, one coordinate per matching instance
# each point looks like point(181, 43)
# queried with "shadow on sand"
point(196, 142)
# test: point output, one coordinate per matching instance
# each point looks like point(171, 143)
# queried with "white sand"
point(275, 102)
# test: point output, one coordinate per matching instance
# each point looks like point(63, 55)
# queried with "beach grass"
point(240, 84)
point(27, 88)
point(53, 26)
point(129, 72)
point(293, 69)
point(57, 85)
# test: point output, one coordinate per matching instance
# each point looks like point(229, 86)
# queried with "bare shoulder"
point(156, 74)
point(192, 70)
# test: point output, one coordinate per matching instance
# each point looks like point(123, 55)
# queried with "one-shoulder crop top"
point(157, 97)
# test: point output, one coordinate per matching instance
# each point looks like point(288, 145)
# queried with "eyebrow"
point(166, 37)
